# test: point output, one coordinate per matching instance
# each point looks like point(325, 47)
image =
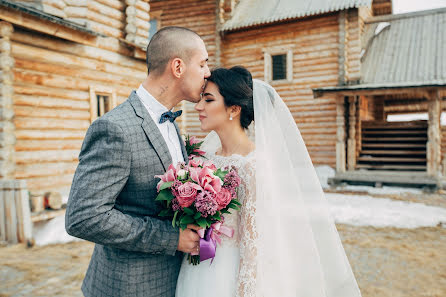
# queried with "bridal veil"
point(298, 249)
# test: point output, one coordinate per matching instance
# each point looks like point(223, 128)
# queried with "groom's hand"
point(189, 240)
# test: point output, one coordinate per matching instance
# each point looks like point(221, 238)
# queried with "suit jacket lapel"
point(183, 148)
point(151, 130)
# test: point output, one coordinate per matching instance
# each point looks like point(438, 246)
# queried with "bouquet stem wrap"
point(209, 238)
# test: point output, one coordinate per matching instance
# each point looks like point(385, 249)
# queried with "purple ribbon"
point(208, 245)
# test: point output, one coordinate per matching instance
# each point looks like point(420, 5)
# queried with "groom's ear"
point(178, 67)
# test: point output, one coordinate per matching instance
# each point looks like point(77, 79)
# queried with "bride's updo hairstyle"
point(235, 85)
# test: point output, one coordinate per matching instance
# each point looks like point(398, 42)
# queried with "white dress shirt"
point(167, 128)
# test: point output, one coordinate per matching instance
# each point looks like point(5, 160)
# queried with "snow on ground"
point(381, 212)
point(52, 231)
point(358, 210)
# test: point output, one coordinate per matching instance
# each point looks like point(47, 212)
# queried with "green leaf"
point(236, 202)
point(234, 207)
point(216, 216)
point(223, 211)
point(187, 219)
point(202, 222)
point(166, 185)
point(197, 215)
point(188, 211)
point(165, 213)
point(164, 195)
point(174, 220)
point(221, 174)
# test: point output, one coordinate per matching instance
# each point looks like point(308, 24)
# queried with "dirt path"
point(387, 262)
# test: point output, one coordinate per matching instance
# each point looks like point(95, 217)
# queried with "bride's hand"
point(189, 240)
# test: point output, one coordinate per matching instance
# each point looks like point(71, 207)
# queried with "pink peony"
point(206, 179)
point(187, 193)
point(195, 162)
point(210, 165)
point(169, 176)
point(223, 198)
point(193, 140)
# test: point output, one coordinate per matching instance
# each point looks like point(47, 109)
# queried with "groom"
point(112, 196)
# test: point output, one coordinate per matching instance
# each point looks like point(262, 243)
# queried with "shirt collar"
point(150, 102)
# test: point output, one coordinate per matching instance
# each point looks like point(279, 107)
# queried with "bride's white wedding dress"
point(286, 243)
point(232, 272)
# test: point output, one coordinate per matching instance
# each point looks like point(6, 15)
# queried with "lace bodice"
point(243, 221)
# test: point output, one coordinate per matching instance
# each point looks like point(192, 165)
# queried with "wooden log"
point(46, 156)
point(37, 145)
point(142, 24)
point(37, 203)
point(96, 6)
point(144, 6)
point(100, 76)
point(49, 135)
point(49, 102)
point(40, 169)
point(53, 10)
point(132, 11)
point(42, 183)
point(53, 200)
point(76, 2)
point(47, 215)
point(116, 4)
point(23, 212)
point(37, 123)
point(10, 212)
point(36, 54)
point(24, 112)
point(2, 215)
point(104, 29)
point(55, 3)
point(107, 49)
point(26, 89)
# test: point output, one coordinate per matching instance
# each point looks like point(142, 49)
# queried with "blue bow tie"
point(171, 116)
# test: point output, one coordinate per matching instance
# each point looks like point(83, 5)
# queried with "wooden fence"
point(15, 215)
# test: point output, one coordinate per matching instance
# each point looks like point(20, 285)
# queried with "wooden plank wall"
point(201, 17)
point(314, 42)
point(52, 78)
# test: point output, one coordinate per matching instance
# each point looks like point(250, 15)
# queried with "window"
point(155, 23)
point(102, 100)
point(279, 67)
point(278, 64)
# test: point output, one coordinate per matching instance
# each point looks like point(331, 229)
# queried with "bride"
point(285, 242)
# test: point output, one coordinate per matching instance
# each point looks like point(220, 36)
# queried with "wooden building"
point(403, 71)
point(62, 64)
point(65, 62)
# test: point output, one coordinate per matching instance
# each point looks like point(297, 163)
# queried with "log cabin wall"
point(52, 81)
point(7, 139)
point(315, 44)
point(200, 16)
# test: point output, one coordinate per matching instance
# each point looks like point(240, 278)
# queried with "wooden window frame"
point(156, 15)
point(101, 91)
point(268, 64)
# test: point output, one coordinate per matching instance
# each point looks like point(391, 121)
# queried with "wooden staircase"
point(393, 146)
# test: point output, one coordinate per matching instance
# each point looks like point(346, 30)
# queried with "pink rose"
point(187, 193)
point(223, 198)
point(169, 176)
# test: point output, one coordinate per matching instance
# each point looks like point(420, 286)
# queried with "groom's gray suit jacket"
point(112, 204)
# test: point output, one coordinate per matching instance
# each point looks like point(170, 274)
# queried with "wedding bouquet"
point(199, 193)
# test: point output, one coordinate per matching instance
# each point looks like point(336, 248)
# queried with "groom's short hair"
point(168, 43)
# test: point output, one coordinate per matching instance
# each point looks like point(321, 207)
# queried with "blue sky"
point(401, 6)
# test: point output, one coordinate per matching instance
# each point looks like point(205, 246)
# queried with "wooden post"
point(434, 134)
point(340, 134)
point(15, 214)
point(351, 143)
point(342, 61)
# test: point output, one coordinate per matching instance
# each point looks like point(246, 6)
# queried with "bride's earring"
point(230, 118)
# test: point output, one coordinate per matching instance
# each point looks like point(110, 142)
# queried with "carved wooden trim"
point(340, 134)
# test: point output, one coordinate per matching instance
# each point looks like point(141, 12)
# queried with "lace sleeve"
point(246, 282)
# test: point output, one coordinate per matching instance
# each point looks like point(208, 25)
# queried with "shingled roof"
point(403, 50)
point(256, 12)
